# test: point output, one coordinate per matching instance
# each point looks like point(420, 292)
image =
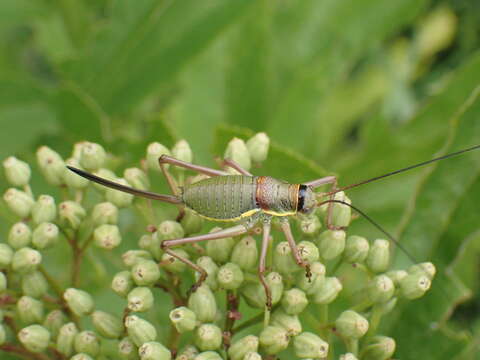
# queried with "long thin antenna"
point(404, 169)
point(146, 194)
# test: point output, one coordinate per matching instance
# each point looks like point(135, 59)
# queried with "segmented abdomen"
point(222, 197)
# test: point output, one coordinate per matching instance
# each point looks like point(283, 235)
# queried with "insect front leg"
point(285, 226)
point(263, 255)
point(166, 246)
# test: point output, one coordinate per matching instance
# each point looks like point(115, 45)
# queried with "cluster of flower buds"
point(58, 317)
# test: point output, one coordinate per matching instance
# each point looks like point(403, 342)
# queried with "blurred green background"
point(351, 87)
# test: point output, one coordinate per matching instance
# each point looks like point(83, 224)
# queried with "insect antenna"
point(146, 194)
point(403, 170)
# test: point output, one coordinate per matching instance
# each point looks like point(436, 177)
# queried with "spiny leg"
point(228, 232)
point(285, 226)
point(263, 256)
point(234, 165)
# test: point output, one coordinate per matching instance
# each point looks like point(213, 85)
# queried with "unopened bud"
point(140, 299)
point(26, 260)
point(308, 251)
point(274, 339)
point(219, 249)
point(311, 285)
point(119, 198)
point(107, 236)
point(145, 273)
point(87, 342)
point(191, 222)
point(294, 301)
point(145, 241)
point(154, 152)
point(3, 282)
point(327, 291)
point(414, 285)
point(183, 319)
point(51, 164)
point(309, 345)
point(396, 276)
point(356, 249)
point(132, 257)
point(139, 330)
point(238, 152)
point(252, 355)
point(81, 356)
point(202, 302)
point(283, 260)
point(379, 348)
point(34, 284)
point(189, 352)
point(378, 257)
point(182, 151)
point(230, 276)
point(137, 178)
point(105, 213)
point(341, 213)
point(291, 323)
point(104, 174)
point(169, 230)
point(258, 146)
point(17, 171)
point(107, 325)
point(45, 236)
point(54, 321)
point(6, 255)
point(331, 243)
point(3, 335)
point(66, 337)
point(245, 253)
point(206, 263)
point(208, 355)
point(154, 351)
point(79, 301)
point(380, 289)
point(35, 338)
point(44, 209)
point(172, 264)
point(73, 180)
point(310, 225)
point(30, 310)
point(19, 235)
point(351, 325)
point(122, 283)
point(426, 268)
point(208, 337)
point(127, 349)
point(19, 202)
point(92, 156)
point(239, 349)
point(255, 293)
point(348, 356)
point(71, 213)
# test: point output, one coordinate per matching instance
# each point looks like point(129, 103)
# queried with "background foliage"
point(355, 87)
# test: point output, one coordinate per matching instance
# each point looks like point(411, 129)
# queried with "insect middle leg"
point(263, 255)
point(234, 165)
point(285, 226)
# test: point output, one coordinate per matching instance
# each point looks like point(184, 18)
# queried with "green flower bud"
point(389, 305)
point(331, 243)
point(239, 349)
point(283, 260)
point(211, 268)
point(230, 276)
point(189, 352)
point(238, 152)
point(258, 146)
point(17, 171)
point(137, 178)
point(356, 249)
point(79, 301)
point(72, 180)
point(396, 276)
point(3, 335)
point(87, 342)
point(310, 225)
point(145, 241)
point(255, 293)
point(107, 236)
point(291, 323)
point(105, 213)
point(140, 299)
point(327, 291)
point(294, 301)
point(145, 273)
point(351, 325)
point(26, 260)
point(105, 174)
point(119, 198)
point(3, 282)
point(51, 164)
point(6, 255)
point(310, 286)
point(348, 356)
point(308, 251)
point(219, 249)
point(54, 321)
point(169, 230)
point(380, 348)
point(191, 222)
point(154, 152)
point(208, 337)
point(252, 355)
point(107, 325)
point(44, 209)
point(81, 356)
point(208, 355)
point(172, 264)
point(140, 331)
point(341, 214)
point(308, 345)
point(71, 213)
point(183, 319)
point(122, 283)
point(380, 289)
point(245, 253)
point(414, 285)
point(202, 303)
point(35, 338)
point(92, 156)
point(66, 336)
point(378, 257)
point(182, 151)
point(19, 202)
point(34, 284)
point(274, 339)
point(154, 351)
point(19, 235)
point(132, 257)
point(426, 268)
point(45, 236)
point(127, 349)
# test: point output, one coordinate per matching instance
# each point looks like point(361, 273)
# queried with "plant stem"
point(22, 352)
point(52, 282)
